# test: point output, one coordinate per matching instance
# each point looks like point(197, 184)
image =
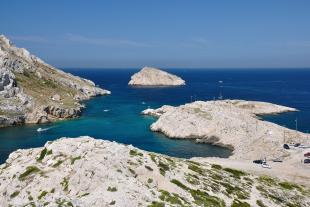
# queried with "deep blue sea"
point(123, 122)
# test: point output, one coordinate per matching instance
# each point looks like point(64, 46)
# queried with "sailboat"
point(220, 96)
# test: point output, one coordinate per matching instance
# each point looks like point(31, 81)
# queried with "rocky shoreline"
point(90, 172)
point(32, 91)
point(230, 123)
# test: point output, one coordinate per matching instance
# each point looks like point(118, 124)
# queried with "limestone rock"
point(29, 86)
point(230, 123)
point(155, 77)
point(88, 172)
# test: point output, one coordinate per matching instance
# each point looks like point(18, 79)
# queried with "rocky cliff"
point(154, 77)
point(32, 91)
point(89, 172)
point(230, 123)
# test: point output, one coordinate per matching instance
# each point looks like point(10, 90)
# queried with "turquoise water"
point(123, 122)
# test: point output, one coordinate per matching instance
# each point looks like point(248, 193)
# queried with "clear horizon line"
point(202, 68)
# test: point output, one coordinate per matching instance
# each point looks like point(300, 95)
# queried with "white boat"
point(43, 129)
point(143, 102)
point(106, 110)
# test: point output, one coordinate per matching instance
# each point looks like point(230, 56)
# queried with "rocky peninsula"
point(231, 123)
point(89, 172)
point(149, 76)
point(32, 91)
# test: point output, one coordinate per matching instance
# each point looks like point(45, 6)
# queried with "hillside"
point(32, 91)
point(89, 172)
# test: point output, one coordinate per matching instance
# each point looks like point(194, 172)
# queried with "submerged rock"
point(155, 77)
point(90, 172)
point(28, 86)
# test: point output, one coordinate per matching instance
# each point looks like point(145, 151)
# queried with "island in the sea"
point(231, 123)
point(149, 76)
point(32, 91)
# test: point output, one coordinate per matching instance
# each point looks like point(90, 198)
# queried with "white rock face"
point(88, 172)
point(27, 83)
point(154, 77)
point(231, 123)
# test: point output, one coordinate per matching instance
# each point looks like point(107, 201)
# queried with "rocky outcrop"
point(154, 77)
point(231, 123)
point(32, 91)
point(88, 172)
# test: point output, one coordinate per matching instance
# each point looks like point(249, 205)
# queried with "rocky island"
point(32, 91)
point(149, 76)
point(231, 123)
point(89, 172)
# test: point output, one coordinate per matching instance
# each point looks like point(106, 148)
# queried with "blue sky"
point(162, 33)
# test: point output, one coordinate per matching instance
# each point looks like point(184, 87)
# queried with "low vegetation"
point(29, 171)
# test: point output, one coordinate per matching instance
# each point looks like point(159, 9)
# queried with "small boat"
point(220, 97)
point(143, 102)
point(43, 129)
point(106, 110)
point(220, 81)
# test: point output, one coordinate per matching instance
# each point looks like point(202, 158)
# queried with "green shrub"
point(215, 166)
point(135, 153)
point(42, 195)
point(237, 203)
point(235, 173)
point(13, 195)
point(73, 159)
point(42, 154)
point(29, 170)
point(112, 189)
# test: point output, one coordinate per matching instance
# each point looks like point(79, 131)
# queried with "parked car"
point(258, 161)
point(278, 160)
point(307, 154)
point(285, 146)
point(307, 161)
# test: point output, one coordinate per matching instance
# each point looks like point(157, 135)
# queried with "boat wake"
point(44, 129)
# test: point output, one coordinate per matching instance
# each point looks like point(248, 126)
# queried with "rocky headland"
point(89, 172)
point(149, 76)
point(32, 91)
point(231, 123)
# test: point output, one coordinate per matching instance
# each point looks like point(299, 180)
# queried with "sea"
point(117, 117)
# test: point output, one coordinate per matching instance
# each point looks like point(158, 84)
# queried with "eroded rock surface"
point(88, 172)
point(30, 89)
point(230, 123)
point(148, 76)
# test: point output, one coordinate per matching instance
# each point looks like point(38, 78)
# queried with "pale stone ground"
point(90, 172)
point(234, 123)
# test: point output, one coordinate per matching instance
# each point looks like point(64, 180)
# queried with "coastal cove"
point(117, 117)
